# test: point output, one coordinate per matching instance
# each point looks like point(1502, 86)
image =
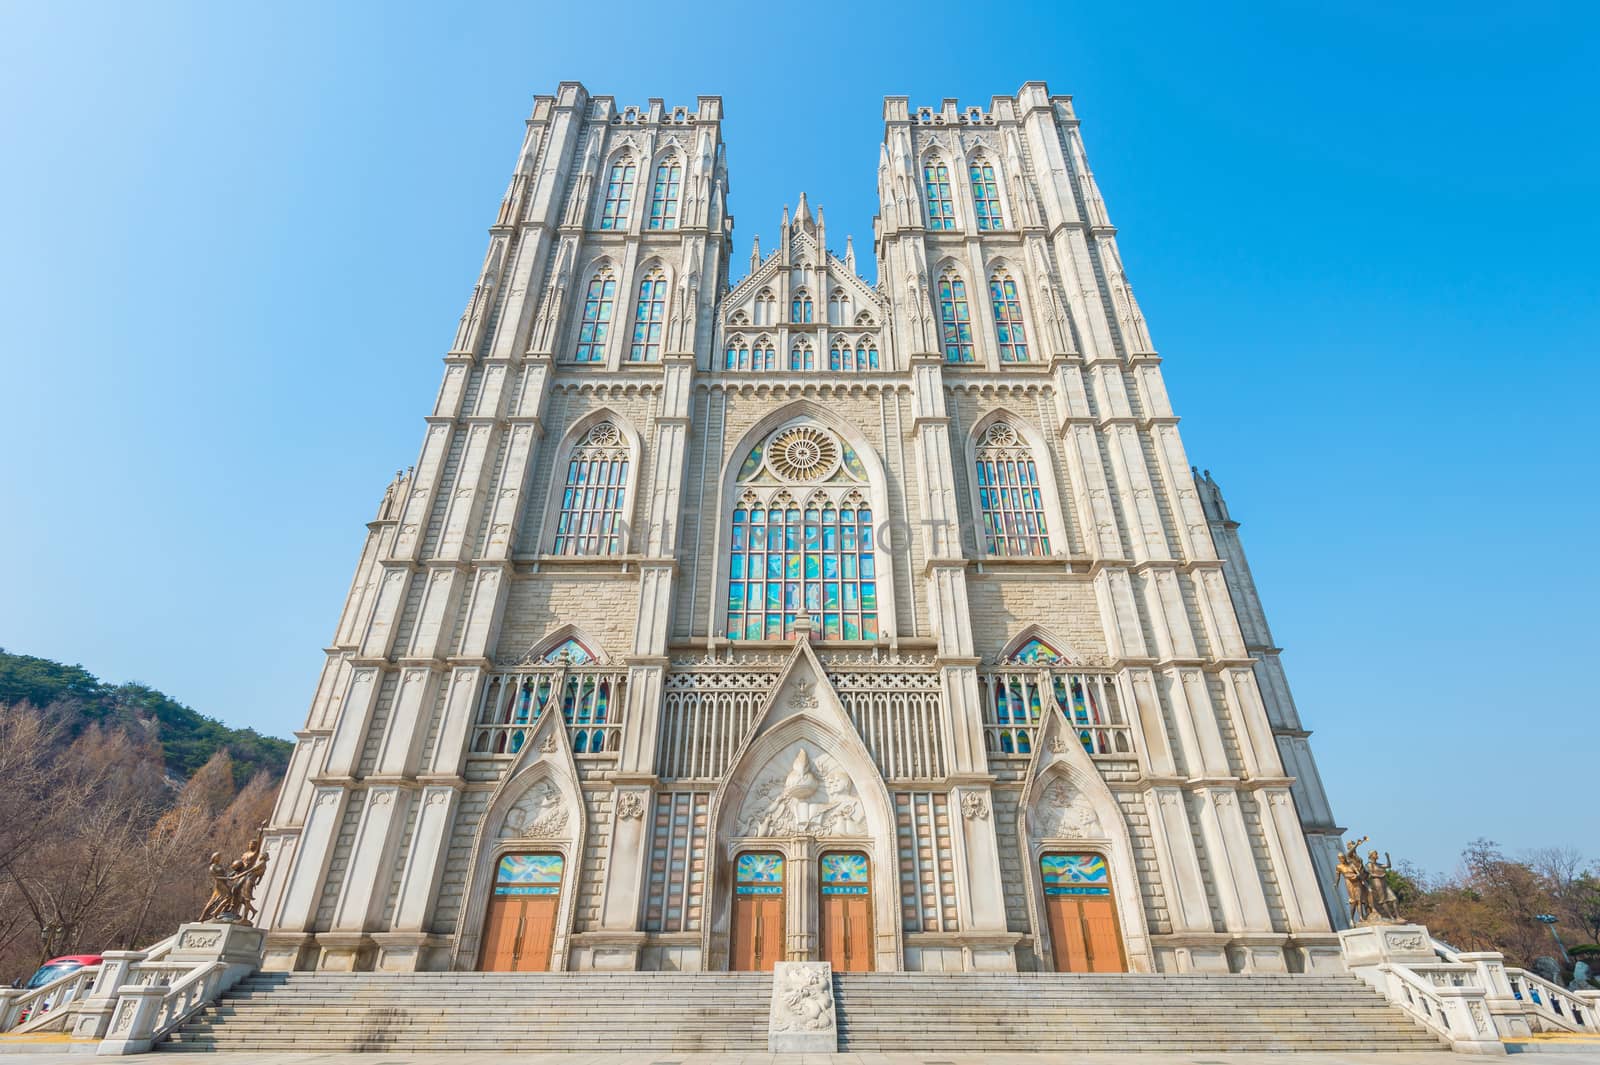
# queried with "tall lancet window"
point(619, 194)
point(985, 194)
point(664, 195)
point(594, 498)
point(801, 356)
point(648, 316)
point(955, 318)
point(800, 307)
point(766, 308)
point(598, 303)
point(1008, 494)
point(801, 540)
point(941, 208)
point(1010, 333)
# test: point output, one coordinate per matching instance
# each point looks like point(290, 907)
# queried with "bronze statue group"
point(233, 887)
point(1366, 886)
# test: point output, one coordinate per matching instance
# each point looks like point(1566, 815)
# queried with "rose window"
point(803, 453)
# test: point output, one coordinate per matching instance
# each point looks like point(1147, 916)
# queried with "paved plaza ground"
point(1562, 1052)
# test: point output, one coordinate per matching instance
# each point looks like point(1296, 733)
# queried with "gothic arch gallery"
point(874, 616)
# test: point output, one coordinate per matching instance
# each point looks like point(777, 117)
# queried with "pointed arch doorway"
point(520, 927)
point(1080, 913)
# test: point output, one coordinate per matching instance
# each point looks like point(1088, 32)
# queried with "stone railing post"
point(94, 1013)
point(802, 1018)
point(8, 999)
point(1510, 1019)
point(133, 1025)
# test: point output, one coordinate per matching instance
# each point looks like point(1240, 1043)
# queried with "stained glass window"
point(619, 195)
point(801, 357)
point(757, 356)
point(648, 316)
point(1008, 494)
point(528, 874)
point(1009, 330)
point(864, 356)
point(800, 307)
point(801, 541)
point(985, 195)
point(758, 874)
point(568, 650)
point(664, 197)
point(1075, 874)
point(955, 318)
point(941, 209)
point(1036, 650)
point(597, 306)
point(843, 874)
point(594, 499)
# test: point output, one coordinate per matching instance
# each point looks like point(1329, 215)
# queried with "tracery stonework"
point(920, 503)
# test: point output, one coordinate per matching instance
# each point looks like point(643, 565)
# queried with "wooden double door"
point(520, 928)
point(759, 924)
point(1081, 914)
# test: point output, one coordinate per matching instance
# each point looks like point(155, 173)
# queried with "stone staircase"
point(418, 1012)
point(1058, 1012)
point(676, 1012)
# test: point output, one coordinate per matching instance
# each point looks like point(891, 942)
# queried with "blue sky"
point(236, 239)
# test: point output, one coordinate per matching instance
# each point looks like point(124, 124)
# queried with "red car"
point(55, 969)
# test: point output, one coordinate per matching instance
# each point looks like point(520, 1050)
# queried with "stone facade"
point(1010, 622)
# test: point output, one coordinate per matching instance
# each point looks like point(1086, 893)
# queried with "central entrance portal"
point(846, 912)
point(521, 924)
point(1081, 915)
point(758, 931)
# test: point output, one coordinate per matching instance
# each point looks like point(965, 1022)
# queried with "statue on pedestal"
point(233, 886)
point(1366, 886)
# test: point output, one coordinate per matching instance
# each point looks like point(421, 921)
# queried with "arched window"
point(941, 209)
point(801, 356)
point(864, 356)
point(800, 307)
point(766, 308)
point(955, 318)
point(738, 355)
point(1008, 495)
point(649, 313)
point(801, 540)
point(838, 309)
point(1009, 330)
point(763, 356)
point(664, 196)
point(594, 498)
point(597, 306)
point(985, 194)
point(619, 194)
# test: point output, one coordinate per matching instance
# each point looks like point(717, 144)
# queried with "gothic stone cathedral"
point(805, 616)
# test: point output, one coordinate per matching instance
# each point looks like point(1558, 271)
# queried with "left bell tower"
point(372, 808)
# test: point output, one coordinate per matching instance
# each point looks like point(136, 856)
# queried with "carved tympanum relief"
point(1064, 812)
point(802, 793)
point(536, 815)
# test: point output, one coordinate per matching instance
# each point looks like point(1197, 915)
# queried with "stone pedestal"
point(802, 1019)
point(1366, 946)
point(94, 1014)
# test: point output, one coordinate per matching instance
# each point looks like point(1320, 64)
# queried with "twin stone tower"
point(804, 617)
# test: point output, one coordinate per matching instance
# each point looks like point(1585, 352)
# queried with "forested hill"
point(187, 738)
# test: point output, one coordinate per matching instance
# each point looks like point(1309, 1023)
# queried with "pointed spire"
point(849, 253)
point(802, 214)
point(755, 253)
point(785, 216)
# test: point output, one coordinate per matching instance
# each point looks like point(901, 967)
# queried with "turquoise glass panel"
point(1075, 874)
point(843, 874)
point(759, 874)
point(529, 874)
point(1037, 650)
